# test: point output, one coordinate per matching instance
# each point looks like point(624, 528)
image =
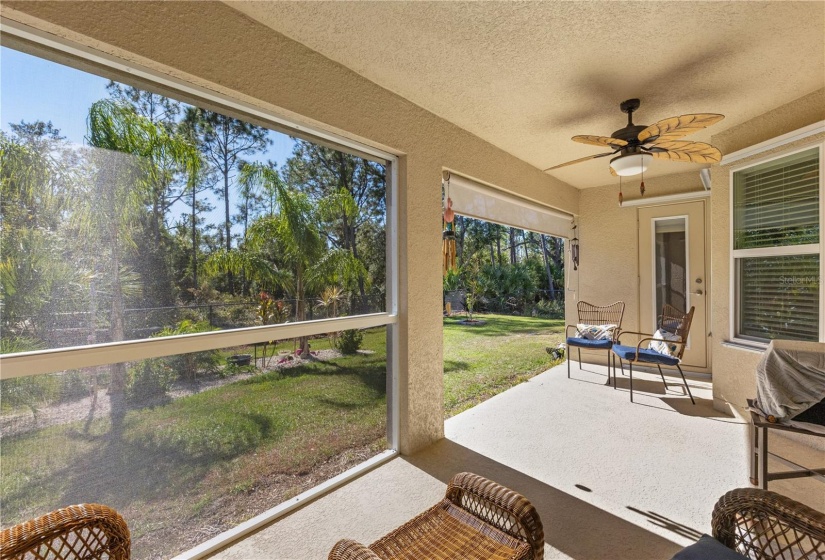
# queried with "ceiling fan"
point(636, 145)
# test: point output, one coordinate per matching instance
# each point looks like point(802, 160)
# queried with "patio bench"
point(477, 520)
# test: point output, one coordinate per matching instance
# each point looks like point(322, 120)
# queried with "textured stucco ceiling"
point(526, 76)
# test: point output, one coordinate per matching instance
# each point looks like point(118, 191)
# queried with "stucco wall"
point(609, 246)
point(210, 44)
point(734, 379)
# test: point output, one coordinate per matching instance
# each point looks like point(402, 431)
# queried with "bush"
point(149, 378)
point(552, 309)
point(190, 365)
point(350, 341)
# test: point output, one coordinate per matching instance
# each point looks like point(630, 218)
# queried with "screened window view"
point(776, 247)
point(129, 215)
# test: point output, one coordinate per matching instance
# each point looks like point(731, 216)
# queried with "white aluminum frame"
point(813, 248)
point(59, 359)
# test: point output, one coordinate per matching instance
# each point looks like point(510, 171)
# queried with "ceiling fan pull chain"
point(621, 198)
point(642, 186)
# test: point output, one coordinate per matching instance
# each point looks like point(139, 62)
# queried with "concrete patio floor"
point(610, 479)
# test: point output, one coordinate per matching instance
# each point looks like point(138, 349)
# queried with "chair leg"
point(608, 368)
point(580, 357)
point(663, 375)
point(685, 382)
point(568, 364)
point(614, 370)
point(631, 380)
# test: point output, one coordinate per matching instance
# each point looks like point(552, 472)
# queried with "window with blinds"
point(777, 203)
point(776, 248)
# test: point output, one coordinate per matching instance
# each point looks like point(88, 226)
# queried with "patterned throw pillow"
point(660, 344)
point(595, 332)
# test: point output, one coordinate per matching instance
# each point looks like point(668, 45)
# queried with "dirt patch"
point(171, 534)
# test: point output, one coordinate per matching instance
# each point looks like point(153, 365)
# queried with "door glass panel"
point(670, 263)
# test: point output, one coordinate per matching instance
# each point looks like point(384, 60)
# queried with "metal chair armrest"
point(622, 333)
point(500, 507)
point(567, 330)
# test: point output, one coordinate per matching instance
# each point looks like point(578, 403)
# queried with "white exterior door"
point(672, 264)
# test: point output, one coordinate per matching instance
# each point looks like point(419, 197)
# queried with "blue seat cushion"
point(707, 548)
point(605, 344)
point(645, 355)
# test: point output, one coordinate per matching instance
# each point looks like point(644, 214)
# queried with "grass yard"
point(482, 361)
point(182, 471)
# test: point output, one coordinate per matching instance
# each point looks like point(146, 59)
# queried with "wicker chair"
point(763, 525)
point(590, 314)
point(672, 321)
point(88, 531)
point(478, 519)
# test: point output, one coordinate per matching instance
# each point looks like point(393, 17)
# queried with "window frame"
point(194, 90)
point(778, 251)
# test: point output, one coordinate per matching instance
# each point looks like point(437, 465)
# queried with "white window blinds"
point(776, 248)
point(777, 203)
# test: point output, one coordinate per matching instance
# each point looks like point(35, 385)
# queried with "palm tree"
point(291, 237)
point(126, 169)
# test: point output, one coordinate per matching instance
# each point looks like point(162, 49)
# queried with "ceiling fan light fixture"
point(631, 164)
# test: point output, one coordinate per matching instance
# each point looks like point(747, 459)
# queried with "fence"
point(77, 328)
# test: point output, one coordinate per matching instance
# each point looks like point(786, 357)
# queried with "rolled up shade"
point(476, 200)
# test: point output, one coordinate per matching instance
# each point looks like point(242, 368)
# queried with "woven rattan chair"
point(87, 531)
point(477, 520)
point(672, 321)
point(763, 525)
point(590, 314)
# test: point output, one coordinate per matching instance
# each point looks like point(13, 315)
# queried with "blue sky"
point(33, 89)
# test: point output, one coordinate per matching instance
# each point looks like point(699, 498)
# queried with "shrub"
point(552, 309)
point(194, 363)
point(350, 341)
point(149, 378)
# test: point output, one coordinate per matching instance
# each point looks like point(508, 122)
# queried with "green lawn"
point(482, 361)
point(181, 470)
point(208, 460)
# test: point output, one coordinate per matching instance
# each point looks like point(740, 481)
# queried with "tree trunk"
point(461, 227)
point(118, 382)
point(546, 257)
point(300, 310)
point(492, 255)
point(513, 255)
point(498, 249)
point(194, 239)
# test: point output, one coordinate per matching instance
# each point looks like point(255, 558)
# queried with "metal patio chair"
point(671, 322)
point(590, 314)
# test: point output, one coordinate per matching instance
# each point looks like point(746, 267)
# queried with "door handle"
point(698, 293)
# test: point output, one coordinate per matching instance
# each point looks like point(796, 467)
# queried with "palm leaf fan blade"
point(676, 127)
point(599, 141)
point(690, 152)
point(565, 164)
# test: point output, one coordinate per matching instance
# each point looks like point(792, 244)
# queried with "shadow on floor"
point(669, 524)
point(571, 525)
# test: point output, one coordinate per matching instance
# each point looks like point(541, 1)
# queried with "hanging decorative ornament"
point(574, 249)
point(621, 198)
point(642, 186)
point(448, 249)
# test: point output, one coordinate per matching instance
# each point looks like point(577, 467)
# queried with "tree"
point(35, 184)
point(351, 190)
point(291, 237)
point(126, 169)
point(224, 141)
